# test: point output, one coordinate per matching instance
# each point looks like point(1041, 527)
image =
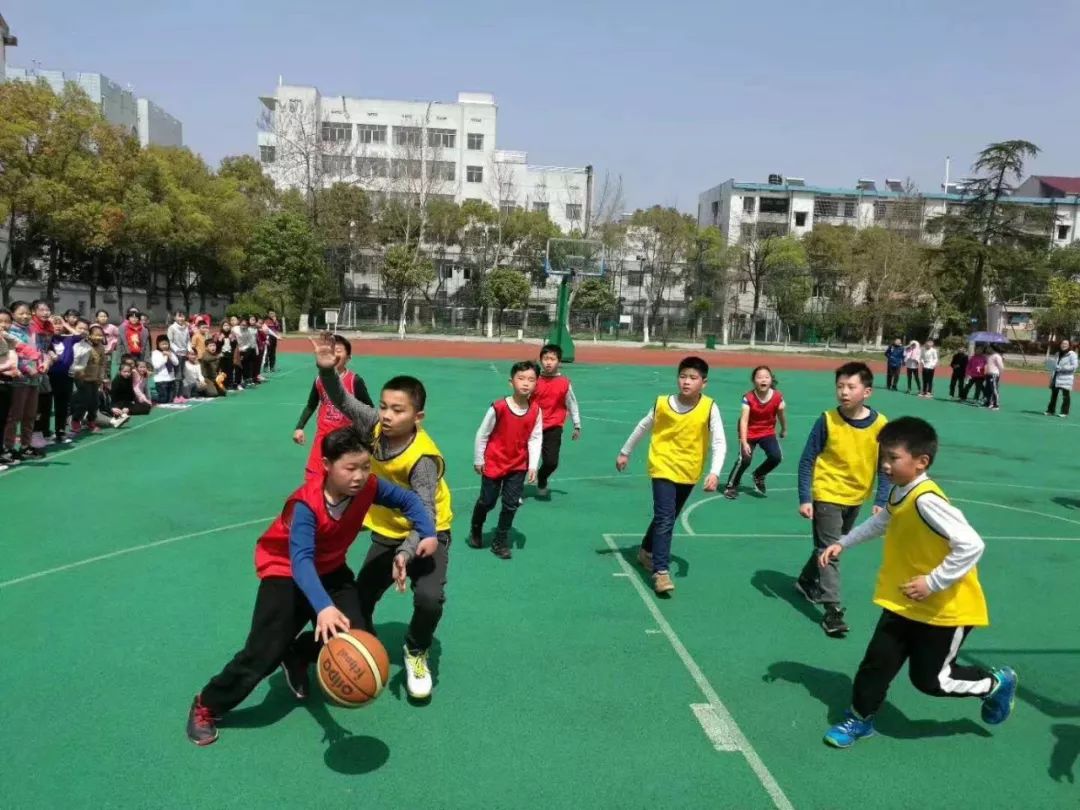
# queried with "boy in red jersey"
point(300, 562)
point(762, 407)
point(507, 455)
point(555, 396)
point(329, 418)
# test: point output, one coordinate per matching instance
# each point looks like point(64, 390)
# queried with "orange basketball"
point(353, 668)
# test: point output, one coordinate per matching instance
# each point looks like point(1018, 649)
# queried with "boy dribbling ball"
point(681, 427)
point(928, 589)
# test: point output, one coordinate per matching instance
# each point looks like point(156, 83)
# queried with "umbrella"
point(987, 337)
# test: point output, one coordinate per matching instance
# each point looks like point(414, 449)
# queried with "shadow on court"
point(1068, 503)
point(680, 566)
point(778, 585)
point(833, 689)
point(392, 635)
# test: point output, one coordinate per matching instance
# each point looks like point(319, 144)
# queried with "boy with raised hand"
point(507, 454)
point(404, 454)
point(928, 589)
point(681, 428)
point(555, 396)
point(836, 476)
point(300, 561)
point(330, 417)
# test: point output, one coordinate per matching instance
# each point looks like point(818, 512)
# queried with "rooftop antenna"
point(280, 80)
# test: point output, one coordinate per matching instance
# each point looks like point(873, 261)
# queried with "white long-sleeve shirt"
point(716, 428)
point(930, 358)
point(536, 438)
point(160, 362)
point(965, 544)
point(572, 406)
point(179, 338)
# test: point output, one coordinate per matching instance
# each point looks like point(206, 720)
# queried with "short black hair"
point(340, 340)
point(344, 440)
point(915, 435)
point(14, 305)
point(159, 338)
point(38, 302)
point(74, 312)
point(129, 358)
point(94, 326)
point(695, 364)
point(551, 348)
point(524, 365)
point(409, 386)
point(5, 311)
point(753, 374)
point(101, 311)
point(856, 369)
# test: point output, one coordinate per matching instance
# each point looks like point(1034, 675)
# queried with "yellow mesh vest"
point(913, 549)
point(844, 471)
point(679, 441)
point(390, 522)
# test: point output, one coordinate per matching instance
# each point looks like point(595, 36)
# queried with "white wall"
point(77, 297)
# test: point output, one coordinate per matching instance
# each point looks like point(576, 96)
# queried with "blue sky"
point(676, 97)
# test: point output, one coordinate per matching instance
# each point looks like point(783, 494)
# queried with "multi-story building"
point(6, 41)
point(415, 148)
point(788, 206)
point(141, 117)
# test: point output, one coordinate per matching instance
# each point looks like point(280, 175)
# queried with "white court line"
point(805, 535)
point(723, 724)
point(132, 550)
point(714, 727)
point(613, 421)
point(684, 520)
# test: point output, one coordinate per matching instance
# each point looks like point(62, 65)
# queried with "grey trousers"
point(830, 521)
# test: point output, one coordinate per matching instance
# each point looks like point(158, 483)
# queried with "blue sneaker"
point(998, 705)
point(847, 733)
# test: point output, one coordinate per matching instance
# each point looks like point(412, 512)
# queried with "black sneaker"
point(731, 493)
point(759, 484)
point(201, 724)
point(33, 452)
point(833, 622)
point(7, 459)
point(295, 668)
point(501, 550)
point(475, 539)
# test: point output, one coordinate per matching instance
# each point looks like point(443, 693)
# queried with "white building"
point(6, 41)
point(446, 149)
point(785, 206)
point(139, 116)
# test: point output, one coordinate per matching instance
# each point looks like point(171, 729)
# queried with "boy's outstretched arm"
point(363, 415)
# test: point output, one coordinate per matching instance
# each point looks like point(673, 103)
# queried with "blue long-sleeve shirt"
point(64, 347)
point(302, 537)
point(894, 356)
point(815, 444)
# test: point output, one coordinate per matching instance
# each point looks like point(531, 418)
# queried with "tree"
point(760, 259)
point(891, 272)
point(1062, 318)
point(1064, 262)
point(405, 272)
point(981, 232)
point(596, 298)
point(285, 250)
point(706, 275)
point(661, 237)
point(505, 288)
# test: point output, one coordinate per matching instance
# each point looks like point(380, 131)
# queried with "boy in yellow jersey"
point(928, 588)
point(836, 476)
point(403, 454)
point(681, 428)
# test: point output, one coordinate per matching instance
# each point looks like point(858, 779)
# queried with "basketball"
point(353, 668)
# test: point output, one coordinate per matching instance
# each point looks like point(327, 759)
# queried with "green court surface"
point(561, 681)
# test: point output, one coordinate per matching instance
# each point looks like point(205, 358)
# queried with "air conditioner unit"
point(776, 180)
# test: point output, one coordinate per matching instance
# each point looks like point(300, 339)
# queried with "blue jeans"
point(668, 500)
point(164, 392)
point(773, 456)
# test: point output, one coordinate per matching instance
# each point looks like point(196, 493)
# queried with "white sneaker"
point(417, 675)
point(37, 441)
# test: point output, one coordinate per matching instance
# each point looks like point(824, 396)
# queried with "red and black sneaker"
point(201, 723)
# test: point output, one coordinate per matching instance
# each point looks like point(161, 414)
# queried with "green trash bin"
point(710, 341)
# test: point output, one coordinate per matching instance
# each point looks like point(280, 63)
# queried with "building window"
point(475, 141)
point(267, 154)
point(474, 174)
point(881, 211)
point(824, 207)
point(744, 287)
point(406, 169)
point(800, 219)
point(507, 207)
point(540, 207)
point(369, 168)
point(335, 132)
point(1063, 231)
point(445, 138)
point(443, 169)
point(635, 278)
point(294, 105)
point(407, 136)
point(370, 133)
point(715, 207)
point(774, 205)
point(336, 164)
point(849, 209)
point(573, 211)
point(749, 205)
point(466, 273)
